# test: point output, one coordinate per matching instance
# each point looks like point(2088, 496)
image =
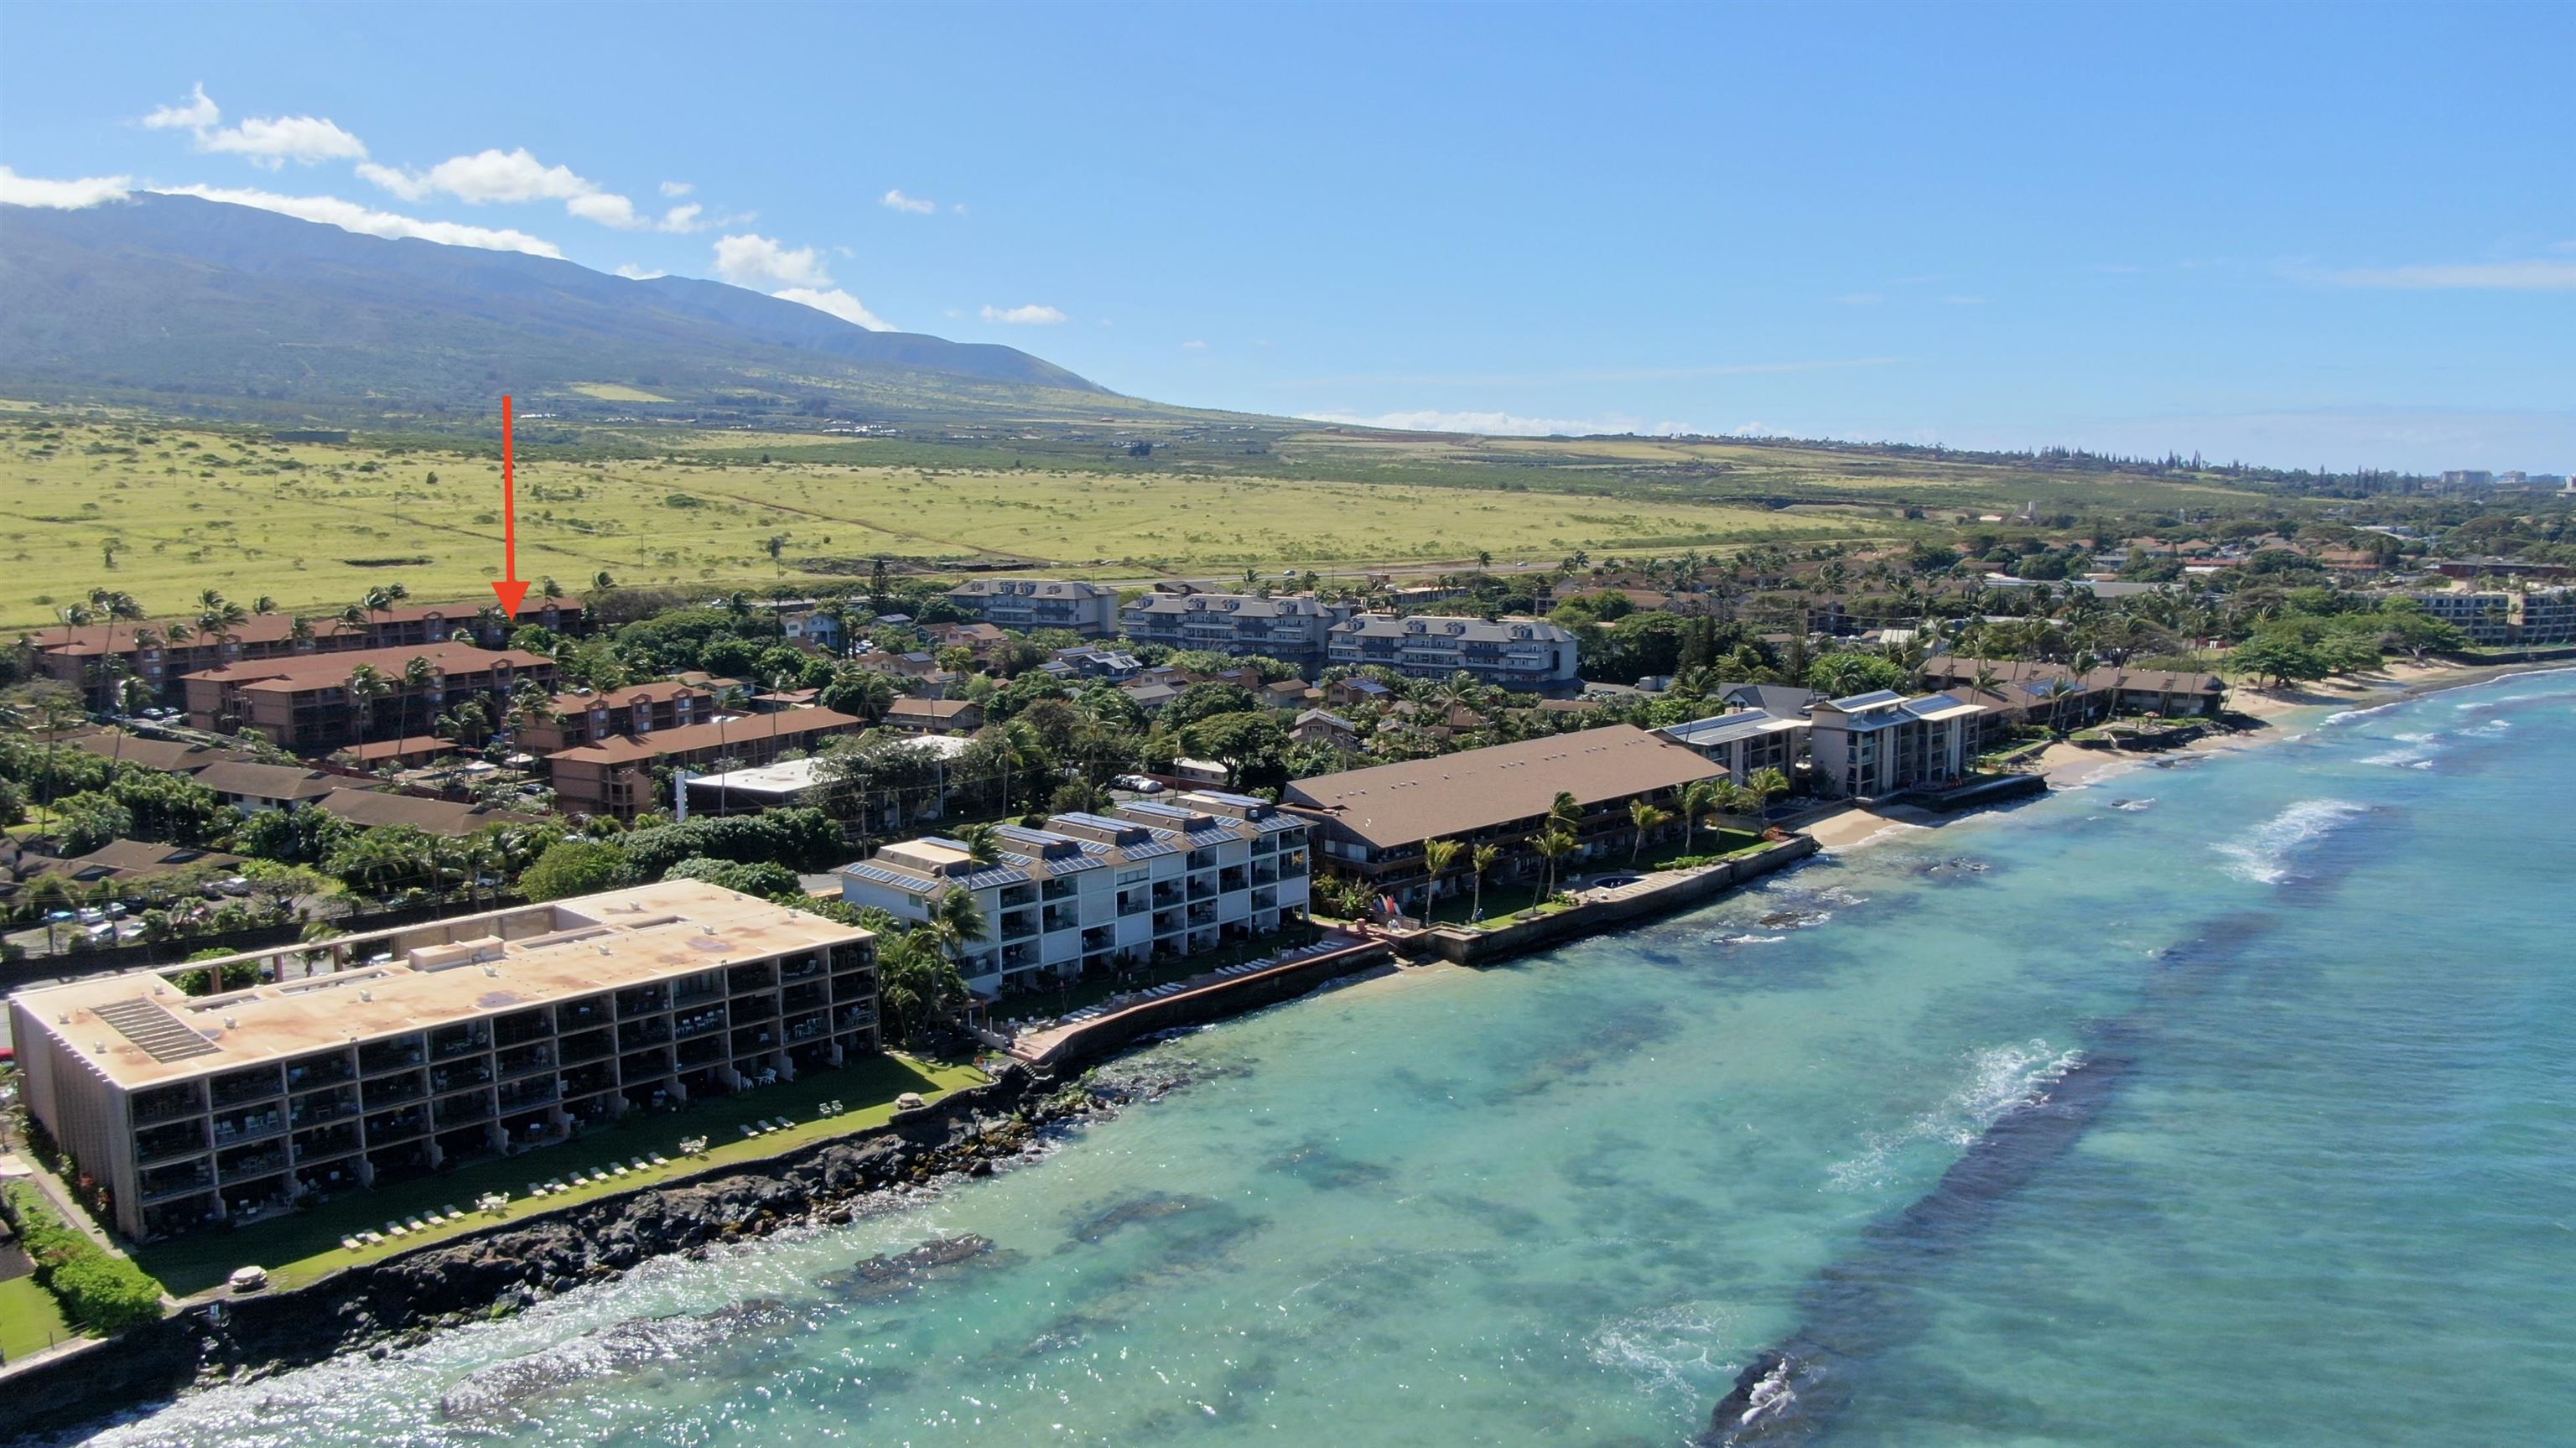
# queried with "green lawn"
point(30, 1319)
point(1506, 899)
point(302, 1247)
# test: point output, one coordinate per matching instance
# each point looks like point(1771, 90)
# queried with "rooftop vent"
point(366, 995)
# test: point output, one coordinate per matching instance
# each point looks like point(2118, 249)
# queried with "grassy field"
point(182, 507)
point(315, 524)
point(304, 1246)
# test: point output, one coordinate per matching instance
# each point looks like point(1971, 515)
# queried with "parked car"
point(92, 915)
point(233, 885)
point(1136, 782)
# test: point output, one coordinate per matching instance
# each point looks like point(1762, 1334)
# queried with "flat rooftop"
point(443, 972)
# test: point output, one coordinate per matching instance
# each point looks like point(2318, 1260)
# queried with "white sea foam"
point(1750, 939)
point(2263, 854)
point(1999, 1079)
point(2414, 751)
point(1672, 1350)
point(2134, 805)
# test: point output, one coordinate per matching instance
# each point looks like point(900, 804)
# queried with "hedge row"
point(102, 1292)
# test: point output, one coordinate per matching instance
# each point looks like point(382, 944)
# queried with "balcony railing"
point(177, 1139)
point(151, 1108)
point(248, 1126)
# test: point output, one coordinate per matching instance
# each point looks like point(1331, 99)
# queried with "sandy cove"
point(2283, 714)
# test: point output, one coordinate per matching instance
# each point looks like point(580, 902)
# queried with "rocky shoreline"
point(382, 1307)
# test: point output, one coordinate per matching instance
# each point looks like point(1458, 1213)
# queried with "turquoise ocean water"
point(2323, 997)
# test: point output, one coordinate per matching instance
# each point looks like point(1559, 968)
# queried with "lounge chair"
point(660, 1160)
point(351, 1244)
point(747, 1132)
point(375, 1239)
point(618, 1170)
point(453, 1214)
point(396, 1229)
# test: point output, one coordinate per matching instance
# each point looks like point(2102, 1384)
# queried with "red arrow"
point(510, 588)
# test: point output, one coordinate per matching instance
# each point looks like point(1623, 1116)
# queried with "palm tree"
point(1553, 844)
point(417, 675)
point(1767, 784)
point(366, 688)
point(725, 698)
point(983, 842)
point(1648, 817)
point(956, 922)
point(1482, 863)
point(112, 605)
point(1697, 802)
point(1437, 857)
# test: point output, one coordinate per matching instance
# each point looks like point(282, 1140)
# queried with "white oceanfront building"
point(1877, 743)
point(1514, 653)
point(1088, 892)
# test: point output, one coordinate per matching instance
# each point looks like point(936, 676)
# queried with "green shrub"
point(102, 1292)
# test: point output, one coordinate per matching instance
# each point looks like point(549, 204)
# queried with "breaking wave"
point(2000, 1078)
point(2414, 751)
point(2263, 854)
point(1673, 1349)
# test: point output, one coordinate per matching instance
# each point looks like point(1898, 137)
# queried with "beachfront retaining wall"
point(1482, 947)
point(1211, 1002)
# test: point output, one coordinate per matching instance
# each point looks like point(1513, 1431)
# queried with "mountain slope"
point(238, 309)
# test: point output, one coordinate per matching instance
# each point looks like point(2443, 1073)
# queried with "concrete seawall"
point(1214, 1001)
point(1482, 947)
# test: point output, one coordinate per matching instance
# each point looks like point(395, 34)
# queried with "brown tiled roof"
point(139, 857)
point(649, 693)
point(268, 781)
point(932, 708)
point(437, 816)
point(1397, 804)
point(269, 628)
point(400, 748)
point(628, 748)
point(170, 756)
point(317, 671)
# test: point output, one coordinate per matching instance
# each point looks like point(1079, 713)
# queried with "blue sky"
point(2300, 234)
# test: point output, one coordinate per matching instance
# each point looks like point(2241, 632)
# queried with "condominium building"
point(304, 702)
point(1745, 743)
point(1023, 604)
point(1514, 653)
point(162, 652)
point(615, 776)
point(2500, 618)
point(586, 716)
point(1153, 881)
point(428, 1045)
point(1294, 627)
point(1875, 744)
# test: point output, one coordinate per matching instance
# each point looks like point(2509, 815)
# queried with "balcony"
point(1203, 914)
point(172, 1181)
point(597, 1077)
point(697, 1023)
point(397, 1125)
point(392, 1090)
point(802, 967)
point(1266, 898)
point(644, 1066)
point(177, 1139)
point(337, 1140)
point(244, 1126)
point(1054, 920)
point(1202, 888)
point(443, 1079)
point(1019, 925)
point(1055, 889)
point(451, 1043)
point(588, 1046)
point(1265, 844)
point(1233, 879)
point(700, 1051)
point(854, 1018)
point(522, 1096)
point(642, 1001)
point(322, 1106)
point(463, 1110)
point(1292, 866)
point(753, 1008)
point(857, 955)
point(256, 1161)
point(756, 976)
point(580, 1014)
point(525, 1060)
point(1166, 921)
point(1017, 895)
point(1099, 937)
point(806, 1028)
point(377, 1057)
point(1131, 902)
point(240, 1087)
point(1201, 860)
point(168, 1103)
point(315, 1071)
point(636, 1035)
point(1265, 873)
point(522, 1028)
point(1167, 892)
point(806, 997)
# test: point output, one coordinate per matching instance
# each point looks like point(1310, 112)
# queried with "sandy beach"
point(2282, 714)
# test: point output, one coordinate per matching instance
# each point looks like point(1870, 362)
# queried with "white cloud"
point(517, 176)
point(267, 141)
point(272, 141)
point(17, 190)
point(751, 260)
point(677, 188)
point(897, 201)
point(1194, 345)
point(1505, 424)
point(840, 304)
point(1031, 315)
point(634, 273)
point(350, 216)
point(2524, 276)
point(197, 115)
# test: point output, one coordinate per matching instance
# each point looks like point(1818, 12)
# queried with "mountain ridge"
point(178, 298)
